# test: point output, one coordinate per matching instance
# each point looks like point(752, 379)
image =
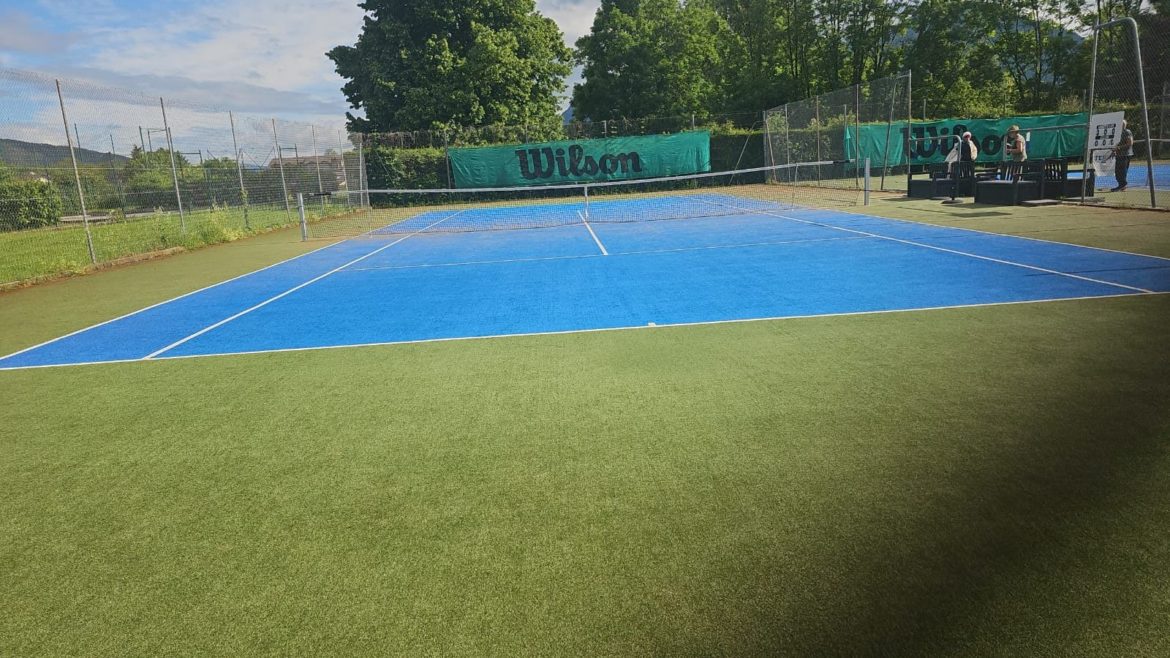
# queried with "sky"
point(263, 56)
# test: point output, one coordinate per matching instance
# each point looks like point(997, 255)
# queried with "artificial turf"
point(985, 481)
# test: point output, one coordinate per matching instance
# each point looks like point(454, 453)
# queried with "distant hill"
point(19, 154)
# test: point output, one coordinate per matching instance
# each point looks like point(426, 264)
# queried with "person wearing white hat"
point(1014, 146)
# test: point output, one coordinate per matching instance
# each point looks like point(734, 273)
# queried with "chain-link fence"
point(867, 121)
point(1135, 89)
point(91, 175)
point(420, 159)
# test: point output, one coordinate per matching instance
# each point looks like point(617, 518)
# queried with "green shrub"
point(28, 204)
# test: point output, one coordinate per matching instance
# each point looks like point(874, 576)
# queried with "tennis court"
point(444, 275)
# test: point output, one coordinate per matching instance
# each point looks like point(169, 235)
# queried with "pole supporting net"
point(380, 213)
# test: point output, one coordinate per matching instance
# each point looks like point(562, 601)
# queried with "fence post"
point(317, 160)
point(344, 171)
point(76, 177)
point(857, 122)
point(447, 159)
point(362, 198)
point(280, 162)
point(174, 169)
point(301, 214)
point(239, 169)
point(909, 124)
point(117, 181)
point(868, 184)
point(1137, 53)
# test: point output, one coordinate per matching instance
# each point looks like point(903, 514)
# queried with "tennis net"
point(382, 212)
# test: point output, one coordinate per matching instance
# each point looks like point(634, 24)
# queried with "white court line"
point(595, 239)
point(168, 301)
point(601, 330)
point(1001, 235)
point(955, 251)
point(287, 292)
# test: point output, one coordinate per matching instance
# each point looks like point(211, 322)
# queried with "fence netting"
point(833, 126)
point(155, 173)
point(1125, 180)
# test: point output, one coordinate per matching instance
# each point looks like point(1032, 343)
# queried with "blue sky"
point(248, 55)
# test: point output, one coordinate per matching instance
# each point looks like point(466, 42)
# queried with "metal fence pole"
point(909, 124)
point(174, 169)
point(239, 169)
point(362, 198)
point(1137, 53)
point(301, 214)
point(280, 162)
point(868, 184)
point(1088, 162)
point(857, 123)
point(77, 177)
point(117, 181)
point(317, 160)
point(344, 173)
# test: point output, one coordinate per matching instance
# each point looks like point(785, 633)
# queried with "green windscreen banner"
point(1048, 136)
point(582, 161)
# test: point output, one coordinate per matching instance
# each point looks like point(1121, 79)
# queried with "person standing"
point(1014, 146)
point(965, 154)
point(1122, 154)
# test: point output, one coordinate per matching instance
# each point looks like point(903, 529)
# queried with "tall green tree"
point(647, 58)
point(428, 63)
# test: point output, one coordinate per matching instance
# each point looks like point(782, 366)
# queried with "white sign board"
point(1104, 133)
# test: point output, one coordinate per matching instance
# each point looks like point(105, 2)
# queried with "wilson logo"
point(546, 162)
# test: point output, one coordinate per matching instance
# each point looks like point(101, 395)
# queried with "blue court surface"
point(768, 262)
point(1139, 176)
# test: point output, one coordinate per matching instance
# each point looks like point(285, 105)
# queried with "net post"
point(867, 181)
point(77, 178)
point(586, 191)
point(301, 214)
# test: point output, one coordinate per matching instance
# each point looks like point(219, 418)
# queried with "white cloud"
point(20, 32)
point(260, 56)
point(575, 17)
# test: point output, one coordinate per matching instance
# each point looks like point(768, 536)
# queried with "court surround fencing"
point(90, 175)
point(828, 127)
point(1130, 76)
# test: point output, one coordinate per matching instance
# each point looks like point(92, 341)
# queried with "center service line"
point(595, 239)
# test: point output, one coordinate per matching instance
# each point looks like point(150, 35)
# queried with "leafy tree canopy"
point(652, 58)
point(429, 63)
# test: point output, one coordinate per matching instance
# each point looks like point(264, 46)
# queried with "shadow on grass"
point(1035, 536)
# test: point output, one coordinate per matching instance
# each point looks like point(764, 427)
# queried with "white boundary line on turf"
point(991, 233)
point(286, 293)
point(595, 238)
point(601, 330)
point(957, 252)
point(166, 301)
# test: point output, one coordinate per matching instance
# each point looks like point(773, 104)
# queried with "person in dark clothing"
point(1122, 154)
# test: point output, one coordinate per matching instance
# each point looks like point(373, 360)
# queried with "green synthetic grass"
point(987, 481)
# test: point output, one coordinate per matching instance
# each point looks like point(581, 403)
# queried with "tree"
point(432, 63)
point(646, 58)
